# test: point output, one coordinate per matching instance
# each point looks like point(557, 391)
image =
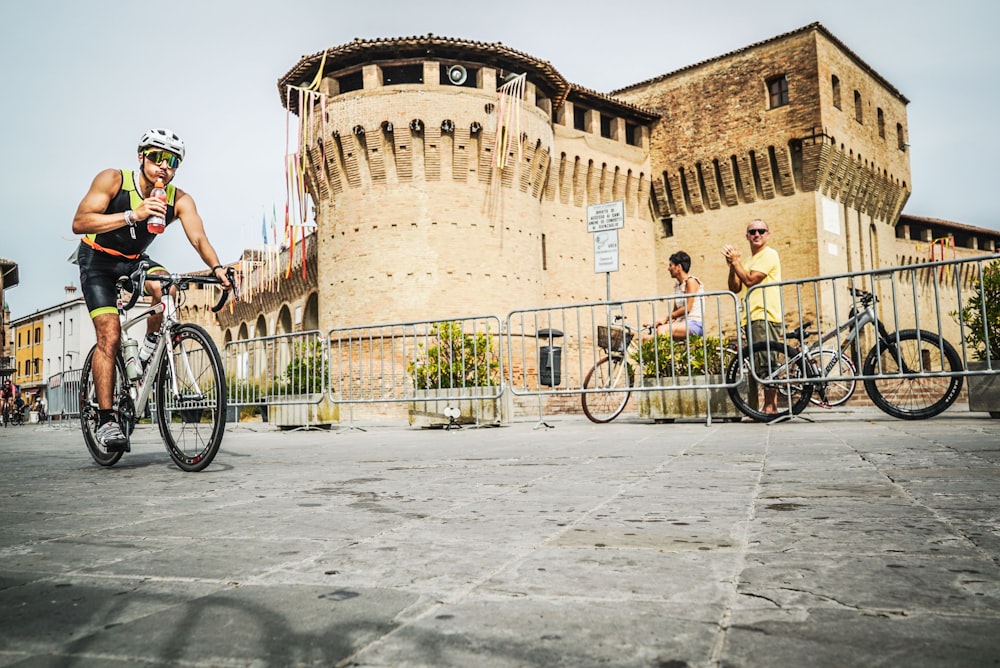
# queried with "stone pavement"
point(854, 540)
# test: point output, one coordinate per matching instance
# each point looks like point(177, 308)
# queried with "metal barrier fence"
point(283, 369)
point(63, 394)
point(553, 350)
point(556, 353)
point(929, 297)
point(910, 335)
point(453, 360)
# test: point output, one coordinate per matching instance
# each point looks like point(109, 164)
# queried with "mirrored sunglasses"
point(156, 157)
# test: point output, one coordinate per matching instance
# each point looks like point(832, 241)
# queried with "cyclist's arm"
point(194, 228)
point(90, 217)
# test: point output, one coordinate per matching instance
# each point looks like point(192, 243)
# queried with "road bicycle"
point(909, 374)
point(184, 371)
point(613, 373)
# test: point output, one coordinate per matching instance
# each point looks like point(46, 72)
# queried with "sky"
point(83, 80)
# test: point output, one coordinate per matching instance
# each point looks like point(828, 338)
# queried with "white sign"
point(607, 216)
point(605, 251)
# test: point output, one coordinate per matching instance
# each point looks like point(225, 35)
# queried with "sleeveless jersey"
point(120, 241)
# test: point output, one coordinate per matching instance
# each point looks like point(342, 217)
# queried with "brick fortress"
point(419, 219)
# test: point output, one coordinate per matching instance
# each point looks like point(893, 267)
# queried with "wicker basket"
point(619, 339)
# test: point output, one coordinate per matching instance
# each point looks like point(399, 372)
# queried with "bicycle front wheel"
point(913, 351)
point(191, 398)
point(613, 375)
point(833, 363)
point(88, 410)
point(782, 381)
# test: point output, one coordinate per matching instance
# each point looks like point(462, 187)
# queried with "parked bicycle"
point(185, 371)
point(908, 374)
point(613, 373)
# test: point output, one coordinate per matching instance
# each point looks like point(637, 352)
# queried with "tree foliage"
point(981, 314)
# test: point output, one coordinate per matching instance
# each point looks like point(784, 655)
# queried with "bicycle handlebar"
point(137, 281)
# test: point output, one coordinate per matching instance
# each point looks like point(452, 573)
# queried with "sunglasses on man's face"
point(756, 230)
point(156, 157)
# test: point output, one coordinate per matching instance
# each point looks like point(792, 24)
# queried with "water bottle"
point(148, 346)
point(130, 349)
point(156, 224)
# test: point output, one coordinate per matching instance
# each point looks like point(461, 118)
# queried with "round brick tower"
point(418, 217)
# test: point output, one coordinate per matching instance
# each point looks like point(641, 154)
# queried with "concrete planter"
point(670, 405)
point(323, 413)
point(984, 391)
point(426, 410)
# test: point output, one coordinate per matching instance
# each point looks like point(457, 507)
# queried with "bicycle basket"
point(618, 341)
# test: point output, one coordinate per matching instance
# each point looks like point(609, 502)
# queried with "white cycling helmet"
point(162, 138)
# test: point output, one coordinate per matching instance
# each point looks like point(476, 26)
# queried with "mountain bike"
point(184, 371)
point(835, 371)
point(908, 374)
point(613, 373)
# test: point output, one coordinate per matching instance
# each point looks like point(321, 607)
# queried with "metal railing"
point(534, 336)
point(283, 369)
point(434, 364)
point(923, 298)
point(548, 352)
point(63, 394)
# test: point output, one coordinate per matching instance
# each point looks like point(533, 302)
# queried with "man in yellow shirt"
point(763, 307)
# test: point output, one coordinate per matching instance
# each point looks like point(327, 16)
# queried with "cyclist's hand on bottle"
point(150, 207)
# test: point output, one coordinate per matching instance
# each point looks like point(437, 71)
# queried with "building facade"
point(50, 342)
point(435, 198)
point(425, 210)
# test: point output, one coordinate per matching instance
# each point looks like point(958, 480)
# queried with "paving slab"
point(849, 539)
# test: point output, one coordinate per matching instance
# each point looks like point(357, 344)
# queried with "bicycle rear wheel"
point(913, 351)
point(833, 363)
point(782, 372)
point(191, 398)
point(88, 409)
point(613, 375)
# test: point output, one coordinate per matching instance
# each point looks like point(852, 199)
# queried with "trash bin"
point(549, 358)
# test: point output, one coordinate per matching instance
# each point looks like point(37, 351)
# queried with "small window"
point(859, 115)
point(835, 82)
point(777, 91)
point(900, 141)
point(668, 226)
point(579, 118)
point(632, 136)
point(606, 126)
point(881, 123)
point(349, 82)
point(397, 75)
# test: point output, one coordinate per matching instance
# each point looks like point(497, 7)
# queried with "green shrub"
point(696, 356)
point(985, 298)
point(455, 359)
point(306, 372)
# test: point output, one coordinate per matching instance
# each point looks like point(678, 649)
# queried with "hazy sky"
point(83, 80)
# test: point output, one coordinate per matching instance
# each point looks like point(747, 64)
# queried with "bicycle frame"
point(853, 326)
point(141, 392)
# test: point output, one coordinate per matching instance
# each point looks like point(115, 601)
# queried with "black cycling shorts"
point(99, 273)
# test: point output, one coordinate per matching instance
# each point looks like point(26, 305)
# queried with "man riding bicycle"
point(113, 218)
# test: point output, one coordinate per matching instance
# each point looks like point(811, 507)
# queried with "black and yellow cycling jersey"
point(120, 242)
point(106, 256)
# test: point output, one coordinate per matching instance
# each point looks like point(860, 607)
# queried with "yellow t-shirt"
point(767, 263)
